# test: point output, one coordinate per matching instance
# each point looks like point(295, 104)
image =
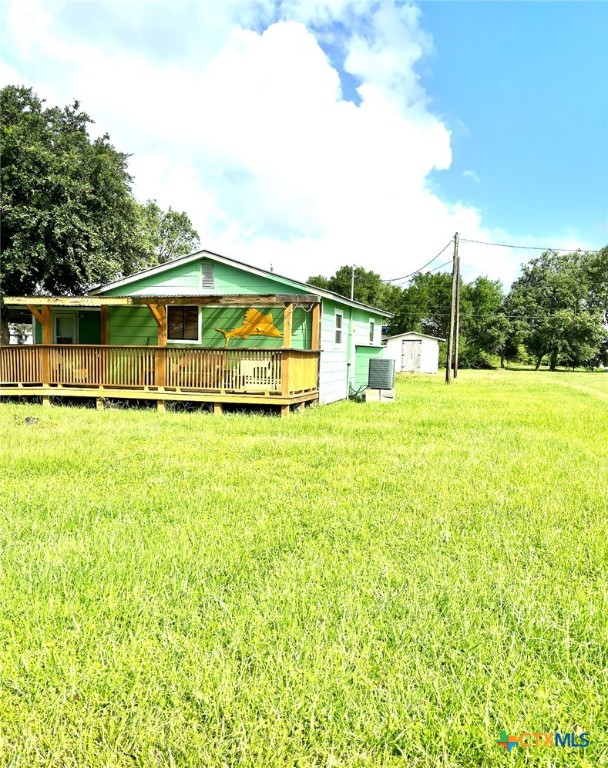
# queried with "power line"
point(445, 263)
point(398, 281)
point(525, 247)
point(434, 269)
point(480, 242)
point(415, 272)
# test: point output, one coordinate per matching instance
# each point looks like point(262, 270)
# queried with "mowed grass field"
point(358, 585)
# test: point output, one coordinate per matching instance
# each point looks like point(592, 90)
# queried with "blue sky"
point(315, 133)
point(524, 87)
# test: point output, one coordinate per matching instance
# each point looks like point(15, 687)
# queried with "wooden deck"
point(242, 376)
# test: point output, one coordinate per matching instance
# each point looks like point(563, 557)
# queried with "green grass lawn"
point(358, 585)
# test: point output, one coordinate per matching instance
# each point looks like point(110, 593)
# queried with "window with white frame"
point(182, 323)
point(372, 331)
point(338, 321)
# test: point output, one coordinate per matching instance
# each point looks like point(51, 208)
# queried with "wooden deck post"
point(45, 353)
point(160, 368)
point(315, 340)
point(159, 311)
point(43, 318)
point(99, 404)
point(218, 409)
point(105, 341)
point(315, 334)
point(47, 330)
point(160, 406)
point(287, 325)
point(284, 411)
point(162, 325)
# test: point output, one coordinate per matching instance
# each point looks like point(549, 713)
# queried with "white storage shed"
point(414, 352)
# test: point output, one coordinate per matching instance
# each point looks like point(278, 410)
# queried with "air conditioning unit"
point(381, 373)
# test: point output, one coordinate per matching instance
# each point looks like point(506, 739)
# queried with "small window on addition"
point(338, 327)
point(182, 323)
point(207, 277)
point(372, 331)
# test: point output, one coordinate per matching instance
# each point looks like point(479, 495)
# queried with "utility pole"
point(457, 328)
point(448, 362)
point(352, 282)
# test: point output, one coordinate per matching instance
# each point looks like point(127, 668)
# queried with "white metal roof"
point(415, 333)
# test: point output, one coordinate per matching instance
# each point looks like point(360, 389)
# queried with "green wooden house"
point(202, 327)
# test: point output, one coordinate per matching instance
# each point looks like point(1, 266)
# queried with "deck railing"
point(273, 371)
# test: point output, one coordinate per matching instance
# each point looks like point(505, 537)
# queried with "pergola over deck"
point(280, 376)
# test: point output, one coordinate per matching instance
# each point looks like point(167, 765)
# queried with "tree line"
point(556, 311)
point(70, 221)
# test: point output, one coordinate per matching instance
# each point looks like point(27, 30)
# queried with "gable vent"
point(207, 280)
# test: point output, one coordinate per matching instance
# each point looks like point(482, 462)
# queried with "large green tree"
point(553, 302)
point(168, 234)
point(69, 219)
point(484, 326)
point(595, 268)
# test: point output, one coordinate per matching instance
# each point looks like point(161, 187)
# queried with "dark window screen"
point(182, 323)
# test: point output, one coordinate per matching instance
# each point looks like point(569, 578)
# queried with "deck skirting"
point(160, 395)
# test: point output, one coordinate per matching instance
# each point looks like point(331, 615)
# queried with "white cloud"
point(470, 174)
point(246, 129)
point(386, 54)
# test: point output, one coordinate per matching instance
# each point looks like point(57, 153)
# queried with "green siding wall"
point(135, 325)
point(232, 280)
point(362, 357)
point(184, 279)
point(132, 325)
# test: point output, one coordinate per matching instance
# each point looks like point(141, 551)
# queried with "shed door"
point(410, 355)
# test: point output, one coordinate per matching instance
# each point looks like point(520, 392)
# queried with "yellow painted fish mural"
point(254, 324)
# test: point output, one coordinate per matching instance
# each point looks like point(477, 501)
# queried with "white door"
point(65, 328)
point(410, 355)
